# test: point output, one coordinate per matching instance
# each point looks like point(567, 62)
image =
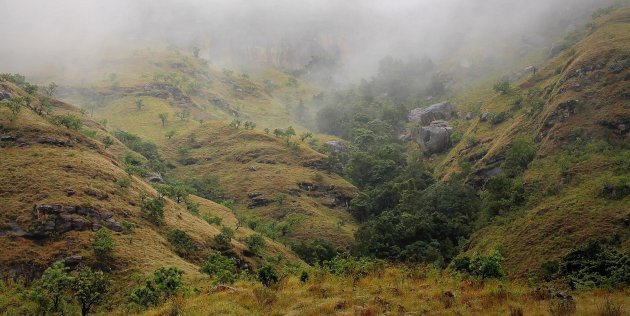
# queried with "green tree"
point(68, 120)
point(255, 242)
point(163, 118)
point(51, 89)
point(103, 243)
point(90, 288)
point(52, 286)
point(154, 209)
point(224, 237)
point(168, 280)
point(181, 242)
point(221, 267)
point(14, 104)
point(267, 275)
point(139, 104)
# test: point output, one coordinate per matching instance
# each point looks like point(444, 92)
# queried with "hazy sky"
point(41, 32)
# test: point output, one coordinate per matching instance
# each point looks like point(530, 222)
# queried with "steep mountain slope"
point(58, 185)
point(269, 181)
point(170, 81)
point(576, 110)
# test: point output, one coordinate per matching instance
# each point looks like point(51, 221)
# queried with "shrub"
point(209, 187)
point(503, 87)
point(484, 267)
point(267, 275)
point(154, 209)
point(255, 242)
point(164, 283)
point(456, 137)
point(498, 118)
point(221, 267)
point(103, 243)
point(68, 120)
point(123, 183)
point(617, 189)
point(519, 156)
point(304, 277)
point(127, 226)
point(595, 264)
point(224, 238)
point(315, 252)
point(107, 141)
point(183, 244)
point(352, 266)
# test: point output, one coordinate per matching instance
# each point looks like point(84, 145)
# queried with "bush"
point(123, 183)
point(221, 267)
point(315, 252)
point(267, 276)
point(255, 242)
point(224, 238)
point(165, 282)
point(352, 266)
point(68, 120)
point(616, 189)
point(498, 118)
point(183, 244)
point(595, 265)
point(519, 156)
point(107, 141)
point(103, 243)
point(154, 209)
point(209, 187)
point(484, 267)
point(503, 87)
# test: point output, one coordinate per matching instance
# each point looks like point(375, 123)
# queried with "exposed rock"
point(266, 161)
point(155, 178)
point(72, 260)
point(619, 126)
point(469, 116)
point(315, 164)
point(438, 111)
point(336, 146)
point(256, 200)
point(52, 141)
point(6, 138)
point(4, 94)
point(484, 116)
point(307, 186)
point(98, 195)
point(70, 192)
point(434, 138)
point(251, 168)
point(189, 161)
point(54, 219)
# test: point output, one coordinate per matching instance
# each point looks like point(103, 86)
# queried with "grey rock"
point(434, 138)
point(469, 116)
point(336, 146)
point(251, 168)
point(484, 116)
point(7, 138)
point(155, 178)
point(189, 161)
point(438, 111)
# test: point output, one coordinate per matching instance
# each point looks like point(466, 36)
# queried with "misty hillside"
point(315, 158)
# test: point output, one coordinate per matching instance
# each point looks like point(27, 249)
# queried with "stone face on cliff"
point(435, 112)
point(434, 138)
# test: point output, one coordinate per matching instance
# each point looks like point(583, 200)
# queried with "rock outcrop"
point(55, 219)
point(434, 138)
point(435, 112)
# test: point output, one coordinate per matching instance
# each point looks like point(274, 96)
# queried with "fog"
point(39, 34)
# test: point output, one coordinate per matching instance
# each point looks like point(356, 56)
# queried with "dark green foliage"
point(221, 267)
point(503, 87)
point(68, 120)
point(103, 243)
point(137, 144)
point(183, 244)
point(304, 277)
point(484, 267)
point(154, 209)
point(595, 264)
point(353, 266)
point(128, 227)
point(192, 206)
point(498, 118)
point(423, 226)
point(49, 291)
point(267, 275)
point(209, 187)
point(123, 183)
point(315, 252)
point(502, 194)
point(107, 141)
point(255, 242)
point(616, 189)
point(519, 156)
point(224, 238)
point(456, 137)
point(90, 288)
point(165, 283)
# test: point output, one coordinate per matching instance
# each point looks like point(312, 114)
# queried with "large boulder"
point(434, 138)
point(435, 112)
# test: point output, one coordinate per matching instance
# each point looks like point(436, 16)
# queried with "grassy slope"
point(40, 174)
point(559, 215)
point(227, 153)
